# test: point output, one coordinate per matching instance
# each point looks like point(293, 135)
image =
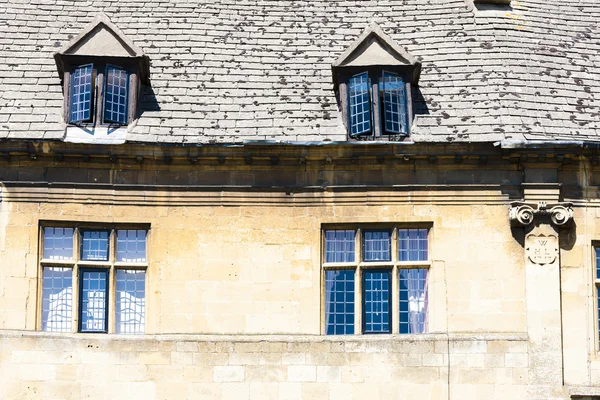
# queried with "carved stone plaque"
point(542, 249)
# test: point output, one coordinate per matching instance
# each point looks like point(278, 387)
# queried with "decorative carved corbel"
point(523, 214)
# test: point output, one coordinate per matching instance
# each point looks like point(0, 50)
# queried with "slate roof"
point(229, 71)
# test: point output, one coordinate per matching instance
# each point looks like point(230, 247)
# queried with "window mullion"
point(376, 105)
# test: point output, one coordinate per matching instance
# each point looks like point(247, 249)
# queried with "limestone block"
point(302, 373)
point(228, 374)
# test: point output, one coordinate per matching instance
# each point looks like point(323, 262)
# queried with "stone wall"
point(49, 366)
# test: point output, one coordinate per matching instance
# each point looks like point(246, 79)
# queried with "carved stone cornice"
point(523, 213)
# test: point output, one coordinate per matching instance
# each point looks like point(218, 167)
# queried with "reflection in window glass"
point(94, 300)
point(131, 245)
point(57, 297)
point(131, 301)
point(58, 243)
point(339, 302)
point(94, 245)
point(413, 300)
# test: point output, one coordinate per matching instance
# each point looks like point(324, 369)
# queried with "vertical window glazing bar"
point(81, 94)
point(376, 301)
point(413, 293)
point(339, 302)
point(359, 104)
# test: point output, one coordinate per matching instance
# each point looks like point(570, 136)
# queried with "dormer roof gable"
point(102, 38)
point(374, 47)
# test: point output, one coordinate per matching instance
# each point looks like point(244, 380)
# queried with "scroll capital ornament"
point(522, 213)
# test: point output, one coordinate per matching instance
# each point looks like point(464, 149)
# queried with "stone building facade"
point(299, 200)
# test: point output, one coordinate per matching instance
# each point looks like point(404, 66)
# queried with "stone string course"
point(229, 71)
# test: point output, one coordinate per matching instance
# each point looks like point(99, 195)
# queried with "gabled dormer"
point(373, 79)
point(102, 71)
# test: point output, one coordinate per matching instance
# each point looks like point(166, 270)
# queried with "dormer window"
point(102, 72)
point(390, 105)
point(111, 98)
point(373, 79)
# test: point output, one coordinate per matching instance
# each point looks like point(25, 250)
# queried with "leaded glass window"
point(412, 244)
point(377, 246)
point(339, 302)
point(131, 301)
point(82, 99)
point(394, 114)
point(339, 245)
point(413, 300)
point(131, 245)
point(107, 258)
point(94, 245)
point(359, 104)
point(380, 257)
point(58, 243)
point(116, 95)
point(93, 304)
point(377, 291)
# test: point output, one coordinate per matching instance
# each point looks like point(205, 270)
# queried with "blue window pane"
point(131, 245)
point(115, 95)
point(57, 298)
point(394, 103)
point(413, 290)
point(81, 94)
point(131, 301)
point(377, 246)
point(377, 292)
point(339, 302)
point(359, 104)
point(58, 243)
point(340, 246)
point(94, 245)
point(413, 245)
point(93, 301)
